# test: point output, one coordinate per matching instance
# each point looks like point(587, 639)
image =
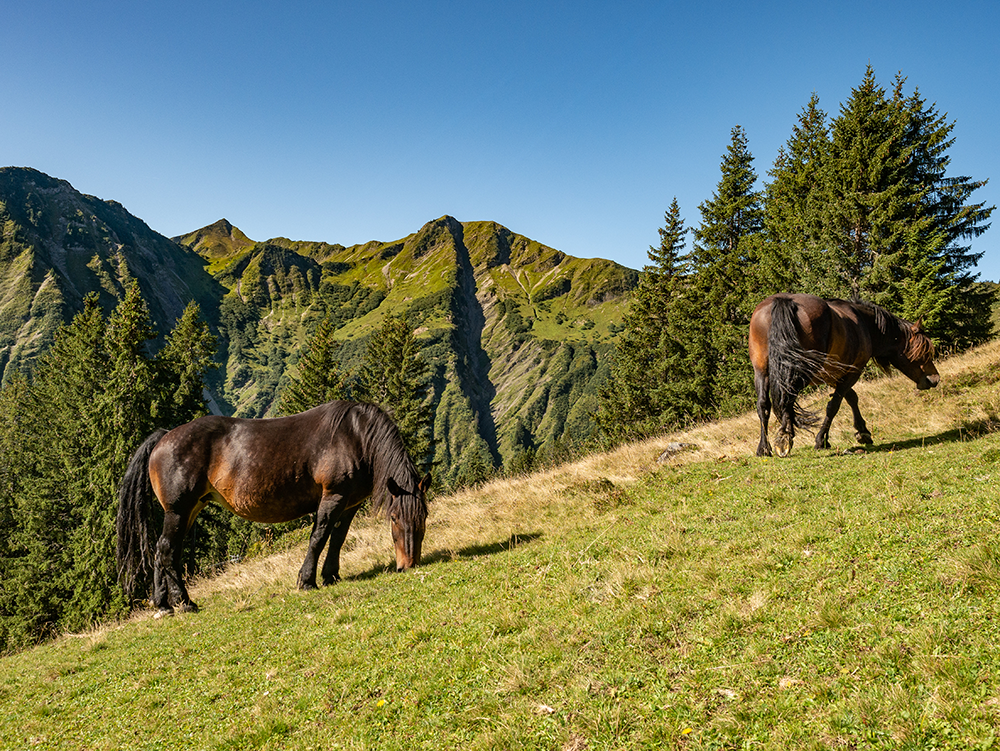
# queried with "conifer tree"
point(318, 378)
point(726, 281)
point(647, 388)
point(394, 376)
point(894, 224)
point(792, 259)
point(92, 399)
point(938, 284)
point(182, 365)
point(867, 197)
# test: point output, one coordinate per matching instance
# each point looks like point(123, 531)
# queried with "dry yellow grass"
point(507, 508)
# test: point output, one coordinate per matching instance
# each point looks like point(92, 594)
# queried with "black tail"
point(790, 367)
point(136, 537)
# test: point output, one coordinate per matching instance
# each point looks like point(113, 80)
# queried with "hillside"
point(516, 332)
point(59, 245)
point(839, 598)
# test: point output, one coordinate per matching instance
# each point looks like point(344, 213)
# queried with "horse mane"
point(917, 345)
point(383, 447)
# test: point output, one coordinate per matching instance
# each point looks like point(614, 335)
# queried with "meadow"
point(844, 598)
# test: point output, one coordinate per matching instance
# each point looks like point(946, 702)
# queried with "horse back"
point(813, 322)
point(832, 328)
point(268, 471)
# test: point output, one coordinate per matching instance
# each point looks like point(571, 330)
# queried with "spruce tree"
point(867, 197)
point(182, 364)
point(792, 259)
point(726, 282)
point(895, 225)
point(647, 388)
point(318, 378)
point(91, 400)
point(940, 286)
point(394, 376)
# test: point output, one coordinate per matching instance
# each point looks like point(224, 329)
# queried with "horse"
point(799, 340)
point(326, 461)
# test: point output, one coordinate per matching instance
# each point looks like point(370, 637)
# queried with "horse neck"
point(386, 455)
point(888, 333)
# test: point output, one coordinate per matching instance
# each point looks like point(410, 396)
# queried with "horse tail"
point(136, 541)
point(791, 367)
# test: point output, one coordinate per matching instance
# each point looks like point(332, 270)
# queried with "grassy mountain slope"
point(840, 598)
point(58, 245)
point(514, 331)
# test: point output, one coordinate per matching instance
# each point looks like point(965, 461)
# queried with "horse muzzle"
point(928, 382)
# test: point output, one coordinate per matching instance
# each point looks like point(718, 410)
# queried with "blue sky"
point(574, 123)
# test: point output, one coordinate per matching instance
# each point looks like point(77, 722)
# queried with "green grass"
point(825, 601)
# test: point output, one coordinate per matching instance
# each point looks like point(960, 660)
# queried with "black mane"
point(383, 447)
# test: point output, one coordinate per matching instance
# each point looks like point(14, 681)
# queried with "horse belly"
point(267, 500)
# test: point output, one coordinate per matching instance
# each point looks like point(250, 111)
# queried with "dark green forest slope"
point(515, 332)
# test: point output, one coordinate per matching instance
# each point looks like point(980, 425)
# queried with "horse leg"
point(331, 566)
point(320, 534)
point(823, 435)
point(786, 434)
point(168, 579)
point(763, 411)
point(861, 432)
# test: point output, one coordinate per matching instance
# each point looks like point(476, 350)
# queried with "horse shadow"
point(967, 431)
point(439, 556)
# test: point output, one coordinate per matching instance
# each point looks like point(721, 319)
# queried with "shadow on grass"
point(470, 551)
point(968, 431)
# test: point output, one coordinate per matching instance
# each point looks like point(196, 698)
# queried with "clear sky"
point(574, 123)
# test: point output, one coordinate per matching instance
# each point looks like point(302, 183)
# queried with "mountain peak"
point(218, 240)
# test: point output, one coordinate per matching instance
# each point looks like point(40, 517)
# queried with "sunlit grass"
point(836, 599)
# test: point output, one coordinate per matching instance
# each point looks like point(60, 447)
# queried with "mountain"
point(59, 245)
point(516, 332)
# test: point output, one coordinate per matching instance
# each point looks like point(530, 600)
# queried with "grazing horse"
point(325, 461)
point(801, 340)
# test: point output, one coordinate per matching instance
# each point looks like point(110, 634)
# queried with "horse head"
point(407, 514)
point(916, 358)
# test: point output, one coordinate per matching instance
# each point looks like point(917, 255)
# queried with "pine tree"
point(394, 376)
point(726, 282)
point(792, 259)
point(647, 389)
point(318, 378)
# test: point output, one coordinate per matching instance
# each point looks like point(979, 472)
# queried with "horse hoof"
point(188, 607)
point(783, 446)
point(163, 613)
point(865, 439)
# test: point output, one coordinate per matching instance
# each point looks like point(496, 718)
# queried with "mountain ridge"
point(516, 332)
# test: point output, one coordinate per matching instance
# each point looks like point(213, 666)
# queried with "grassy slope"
point(837, 598)
point(451, 278)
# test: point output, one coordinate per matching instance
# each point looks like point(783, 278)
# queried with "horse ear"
point(919, 326)
point(425, 484)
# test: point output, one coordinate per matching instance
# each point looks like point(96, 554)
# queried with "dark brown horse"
point(325, 461)
point(801, 340)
